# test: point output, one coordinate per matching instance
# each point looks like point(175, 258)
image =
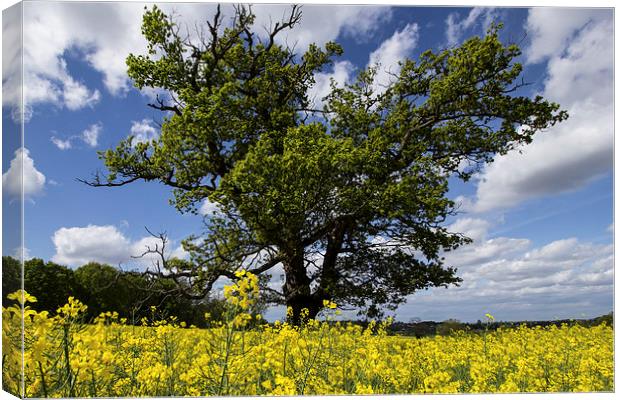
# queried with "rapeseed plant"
point(64, 356)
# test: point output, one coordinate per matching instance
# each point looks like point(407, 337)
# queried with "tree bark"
point(297, 290)
point(329, 275)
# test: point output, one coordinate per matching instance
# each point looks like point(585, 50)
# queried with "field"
point(67, 358)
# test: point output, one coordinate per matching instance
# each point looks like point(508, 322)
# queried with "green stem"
point(65, 344)
point(45, 394)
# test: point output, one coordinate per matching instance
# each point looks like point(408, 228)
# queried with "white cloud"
point(474, 228)
point(388, 55)
point(20, 251)
point(358, 22)
point(208, 208)
point(76, 95)
point(76, 246)
point(22, 174)
point(385, 58)
point(486, 250)
point(455, 28)
point(577, 151)
point(365, 21)
point(11, 61)
point(60, 143)
point(56, 86)
point(143, 131)
point(21, 113)
point(40, 90)
point(140, 249)
point(553, 263)
point(91, 134)
point(341, 74)
point(179, 252)
point(550, 39)
point(512, 280)
point(103, 34)
point(555, 250)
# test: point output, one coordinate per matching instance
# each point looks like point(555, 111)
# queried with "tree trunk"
point(297, 290)
point(329, 276)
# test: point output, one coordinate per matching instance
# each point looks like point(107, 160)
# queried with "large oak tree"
point(349, 199)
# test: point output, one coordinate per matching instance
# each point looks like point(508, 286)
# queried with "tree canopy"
point(104, 288)
point(350, 199)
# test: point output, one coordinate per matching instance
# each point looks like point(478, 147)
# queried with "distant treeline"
point(132, 294)
point(431, 328)
point(104, 288)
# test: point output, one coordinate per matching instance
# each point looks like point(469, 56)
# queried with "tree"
point(110, 289)
point(132, 294)
point(11, 278)
point(51, 284)
point(349, 199)
point(449, 327)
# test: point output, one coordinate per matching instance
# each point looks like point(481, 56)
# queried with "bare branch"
point(97, 182)
point(163, 107)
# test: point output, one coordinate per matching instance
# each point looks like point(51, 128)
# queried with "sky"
point(541, 218)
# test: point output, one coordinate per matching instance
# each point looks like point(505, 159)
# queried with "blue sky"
point(541, 220)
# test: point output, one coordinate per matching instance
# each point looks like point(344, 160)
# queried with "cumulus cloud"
point(77, 96)
point(58, 87)
point(549, 40)
point(392, 51)
point(91, 134)
point(61, 144)
point(340, 74)
point(358, 22)
point(510, 277)
point(455, 28)
point(474, 228)
point(513, 279)
point(11, 63)
point(20, 252)
point(146, 260)
point(144, 131)
point(103, 34)
point(22, 175)
point(365, 21)
point(179, 252)
point(579, 150)
point(80, 245)
point(208, 208)
point(76, 246)
point(385, 59)
point(486, 250)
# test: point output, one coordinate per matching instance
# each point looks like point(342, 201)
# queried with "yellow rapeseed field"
point(65, 358)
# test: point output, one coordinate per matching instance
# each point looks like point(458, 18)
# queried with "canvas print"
point(223, 199)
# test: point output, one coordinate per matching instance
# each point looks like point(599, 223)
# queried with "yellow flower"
point(319, 358)
point(329, 304)
point(22, 297)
